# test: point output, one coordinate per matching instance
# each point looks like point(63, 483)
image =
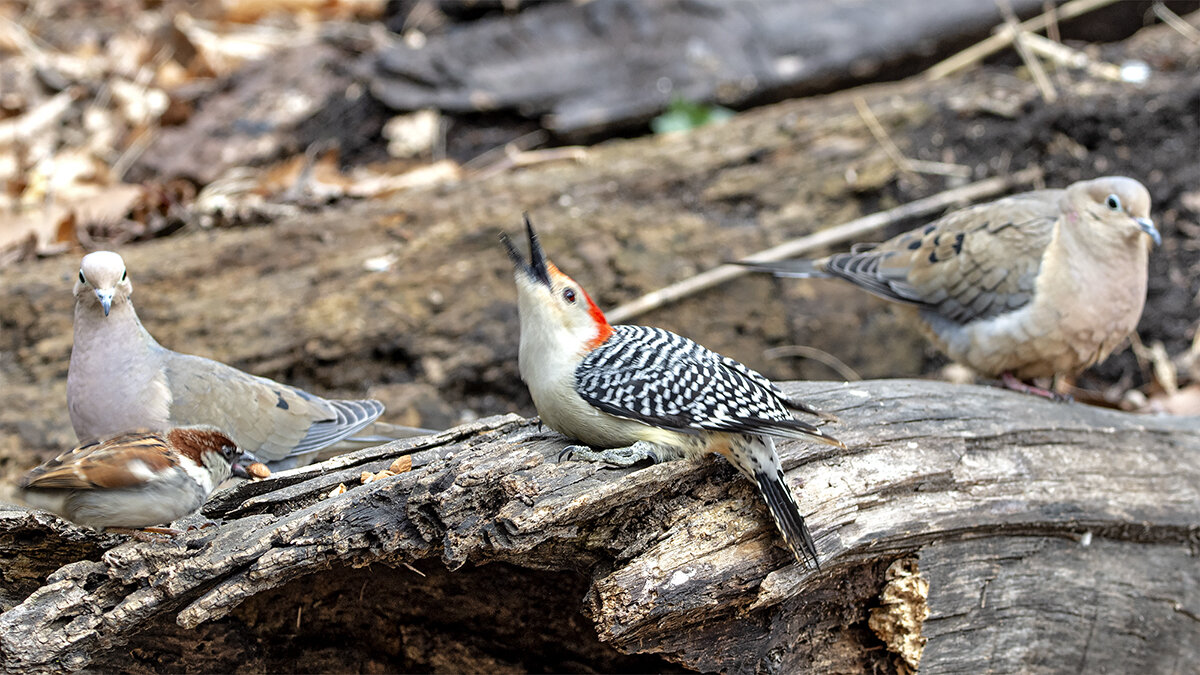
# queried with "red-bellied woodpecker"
point(646, 393)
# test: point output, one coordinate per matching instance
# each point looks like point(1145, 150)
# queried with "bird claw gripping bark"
point(620, 457)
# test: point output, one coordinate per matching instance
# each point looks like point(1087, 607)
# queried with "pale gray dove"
point(1038, 284)
point(121, 379)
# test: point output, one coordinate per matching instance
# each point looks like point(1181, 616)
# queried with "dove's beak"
point(105, 298)
point(1146, 225)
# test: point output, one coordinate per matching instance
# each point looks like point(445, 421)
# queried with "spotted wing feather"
point(665, 380)
point(975, 263)
point(271, 421)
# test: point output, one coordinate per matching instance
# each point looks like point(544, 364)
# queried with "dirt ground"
point(409, 299)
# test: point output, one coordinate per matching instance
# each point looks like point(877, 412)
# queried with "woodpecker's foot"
point(1011, 382)
point(638, 452)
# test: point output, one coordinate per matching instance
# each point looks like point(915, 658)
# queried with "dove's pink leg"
point(1011, 382)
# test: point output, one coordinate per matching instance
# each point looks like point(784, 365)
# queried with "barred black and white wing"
point(665, 380)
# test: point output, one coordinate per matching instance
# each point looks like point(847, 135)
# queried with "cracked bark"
point(1052, 537)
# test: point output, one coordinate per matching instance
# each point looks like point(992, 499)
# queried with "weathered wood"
point(1053, 536)
point(636, 56)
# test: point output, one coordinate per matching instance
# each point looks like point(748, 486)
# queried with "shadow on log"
point(1048, 536)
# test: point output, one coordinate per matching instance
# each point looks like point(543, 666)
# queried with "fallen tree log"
point(1040, 536)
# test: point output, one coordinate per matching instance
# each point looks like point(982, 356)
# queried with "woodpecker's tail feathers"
point(787, 516)
point(797, 404)
point(796, 269)
point(792, 428)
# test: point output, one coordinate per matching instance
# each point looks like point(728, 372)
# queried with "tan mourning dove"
point(121, 379)
point(1034, 285)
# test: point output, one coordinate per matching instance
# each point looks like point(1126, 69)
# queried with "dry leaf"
point(369, 183)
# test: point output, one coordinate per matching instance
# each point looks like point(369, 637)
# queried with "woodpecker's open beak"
point(105, 298)
point(1146, 225)
point(536, 267)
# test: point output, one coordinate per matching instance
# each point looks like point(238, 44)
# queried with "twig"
point(134, 151)
point(500, 153)
point(834, 235)
point(1072, 58)
point(519, 158)
point(910, 166)
point(881, 136)
point(1177, 22)
point(995, 43)
point(819, 355)
point(1035, 67)
point(1052, 27)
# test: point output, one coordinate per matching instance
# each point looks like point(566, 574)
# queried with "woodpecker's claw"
point(569, 452)
point(619, 457)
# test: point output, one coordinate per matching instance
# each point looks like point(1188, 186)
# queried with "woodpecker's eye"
point(81, 279)
point(569, 295)
point(1113, 202)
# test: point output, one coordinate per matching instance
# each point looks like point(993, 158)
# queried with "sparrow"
point(137, 480)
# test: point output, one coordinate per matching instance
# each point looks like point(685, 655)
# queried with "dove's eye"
point(124, 274)
point(1113, 203)
point(81, 279)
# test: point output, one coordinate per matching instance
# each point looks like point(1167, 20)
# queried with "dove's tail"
point(382, 432)
point(799, 269)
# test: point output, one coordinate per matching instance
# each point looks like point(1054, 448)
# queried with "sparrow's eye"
point(569, 295)
point(1113, 202)
point(230, 451)
point(81, 279)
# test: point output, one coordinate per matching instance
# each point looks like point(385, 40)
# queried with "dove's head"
point(1120, 204)
point(103, 281)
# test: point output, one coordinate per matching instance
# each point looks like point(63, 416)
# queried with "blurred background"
point(311, 190)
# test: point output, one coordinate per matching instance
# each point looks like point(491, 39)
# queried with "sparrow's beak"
point(536, 268)
point(240, 466)
point(105, 298)
point(1146, 225)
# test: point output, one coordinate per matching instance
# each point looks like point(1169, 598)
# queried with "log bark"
point(636, 56)
point(1041, 536)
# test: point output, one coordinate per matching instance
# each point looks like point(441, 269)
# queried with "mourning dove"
point(121, 379)
point(136, 479)
point(1034, 285)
